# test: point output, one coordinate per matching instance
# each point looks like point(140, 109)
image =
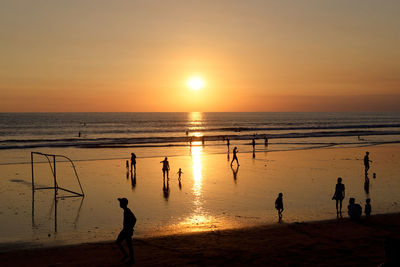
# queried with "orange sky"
point(253, 55)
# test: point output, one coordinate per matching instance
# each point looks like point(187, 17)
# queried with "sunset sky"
point(255, 55)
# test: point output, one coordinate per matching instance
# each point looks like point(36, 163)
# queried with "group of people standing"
point(354, 209)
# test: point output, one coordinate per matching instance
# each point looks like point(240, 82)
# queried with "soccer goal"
point(52, 160)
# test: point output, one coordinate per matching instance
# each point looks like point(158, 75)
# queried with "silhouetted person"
point(179, 174)
point(228, 156)
point(235, 172)
point(392, 253)
point(253, 143)
point(235, 151)
point(202, 140)
point(374, 175)
point(366, 161)
point(339, 195)
point(133, 161)
point(366, 184)
point(127, 230)
point(354, 209)
point(367, 208)
point(266, 141)
point(227, 142)
point(127, 165)
point(165, 167)
point(279, 206)
point(79, 134)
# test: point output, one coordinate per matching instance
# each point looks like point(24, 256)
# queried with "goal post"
point(52, 159)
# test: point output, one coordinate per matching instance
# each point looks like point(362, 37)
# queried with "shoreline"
point(329, 243)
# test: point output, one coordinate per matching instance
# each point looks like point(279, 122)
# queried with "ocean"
point(33, 130)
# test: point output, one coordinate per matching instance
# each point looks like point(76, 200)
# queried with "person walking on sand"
point(165, 167)
point(179, 174)
point(133, 161)
point(253, 143)
point(127, 231)
point(235, 151)
point(279, 205)
point(339, 195)
point(366, 161)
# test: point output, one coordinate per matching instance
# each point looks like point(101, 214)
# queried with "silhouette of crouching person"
point(354, 210)
point(127, 231)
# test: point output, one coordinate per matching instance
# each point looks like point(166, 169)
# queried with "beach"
point(325, 243)
point(212, 195)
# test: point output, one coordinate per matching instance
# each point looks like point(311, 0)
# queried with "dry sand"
point(327, 243)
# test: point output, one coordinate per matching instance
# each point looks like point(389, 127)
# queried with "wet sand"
point(325, 243)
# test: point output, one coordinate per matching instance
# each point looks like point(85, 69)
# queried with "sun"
point(195, 83)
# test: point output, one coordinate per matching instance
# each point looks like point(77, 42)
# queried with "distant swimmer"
point(339, 195)
point(165, 168)
point(279, 206)
point(179, 174)
point(235, 151)
point(366, 161)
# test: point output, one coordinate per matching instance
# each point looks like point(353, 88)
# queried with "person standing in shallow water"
point(235, 151)
point(165, 168)
point(133, 161)
point(366, 162)
point(279, 206)
point(127, 231)
point(339, 195)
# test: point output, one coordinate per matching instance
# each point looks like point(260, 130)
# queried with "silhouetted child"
point(127, 230)
point(367, 208)
point(127, 164)
point(279, 205)
point(179, 174)
point(339, 195)
point(253, 143)
point(354, 209)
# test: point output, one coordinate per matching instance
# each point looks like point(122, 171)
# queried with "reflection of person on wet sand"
point(366, 161)
point(133, 179)
point(179, 174)
point(165, 168)
point(279, 206)
point(166, 189)
point(235, 151)
point(227, 142)
point(127, 230)
point(235, 172)
point(367, 208)
point(366, 184)
point(339, 195)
